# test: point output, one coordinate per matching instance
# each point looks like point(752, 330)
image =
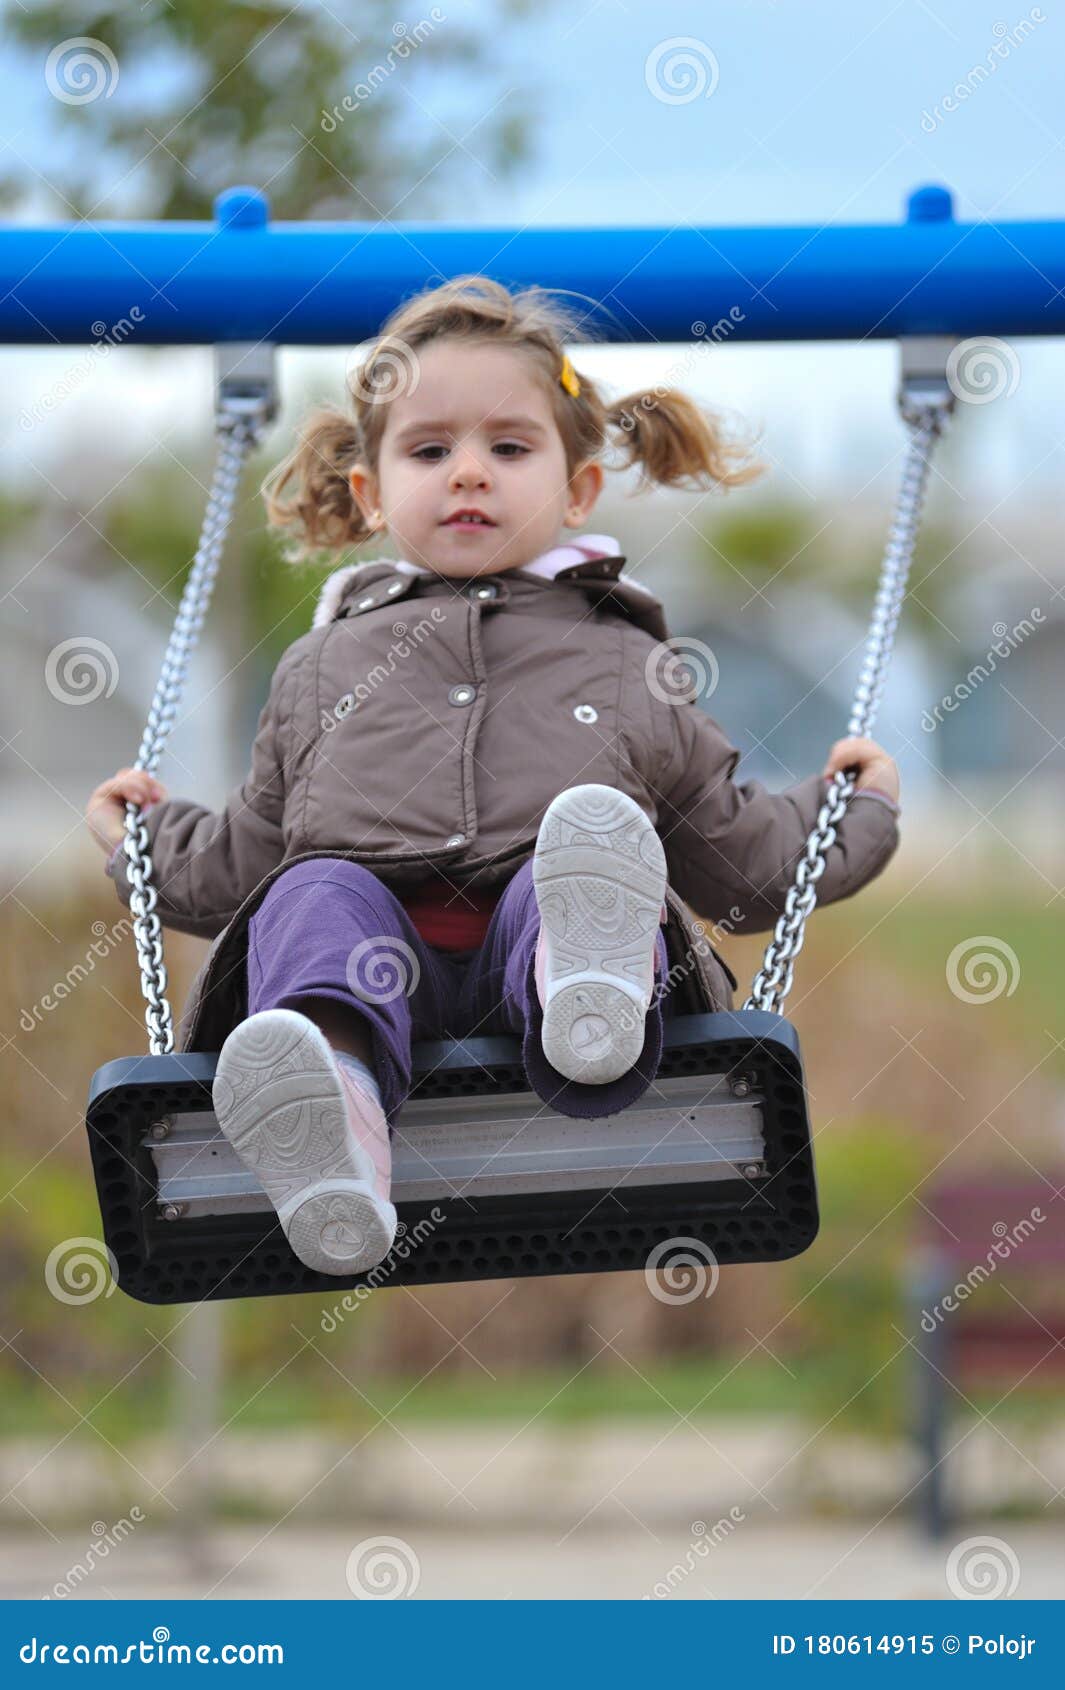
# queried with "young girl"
point(480, 783)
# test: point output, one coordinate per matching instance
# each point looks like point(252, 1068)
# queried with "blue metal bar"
point(241, 278)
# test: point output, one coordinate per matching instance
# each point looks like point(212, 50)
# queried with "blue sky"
point(816, 114)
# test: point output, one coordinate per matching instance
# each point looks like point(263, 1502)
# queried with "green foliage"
point(68, 1355)
point(210, 95)
point(755, 544)
point(17, 510)
point(932, 582)
point(780, 540)
point(151, 523)
point(919, 938)
point(850, 1303)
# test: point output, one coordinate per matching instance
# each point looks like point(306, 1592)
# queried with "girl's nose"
point(466, 469)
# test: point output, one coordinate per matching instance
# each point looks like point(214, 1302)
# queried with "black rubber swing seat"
point(714, 1160)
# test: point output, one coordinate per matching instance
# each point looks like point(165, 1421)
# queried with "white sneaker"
point(316, 1139)
point(600, 875)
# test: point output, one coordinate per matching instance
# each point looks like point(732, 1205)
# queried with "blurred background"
point(571, 1436)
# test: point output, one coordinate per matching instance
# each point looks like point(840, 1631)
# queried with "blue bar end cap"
point(931, 204)
point(241, 208)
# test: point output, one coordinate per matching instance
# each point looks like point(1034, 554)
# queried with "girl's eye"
point(510, 447)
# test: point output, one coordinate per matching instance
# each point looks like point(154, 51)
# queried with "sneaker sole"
point(599, 870)
point(281, 1104)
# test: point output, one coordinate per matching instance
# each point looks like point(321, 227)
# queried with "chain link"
point(925, 421)
point(239, 425)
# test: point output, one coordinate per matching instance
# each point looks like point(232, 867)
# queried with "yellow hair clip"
point(568, 376)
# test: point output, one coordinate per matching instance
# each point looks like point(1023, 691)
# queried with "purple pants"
point(331, 928)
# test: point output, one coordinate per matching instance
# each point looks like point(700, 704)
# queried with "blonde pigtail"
point(678, 444)
point(308, 495)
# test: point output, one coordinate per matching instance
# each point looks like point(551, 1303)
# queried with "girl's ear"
point(364, 492)
point(585, 486)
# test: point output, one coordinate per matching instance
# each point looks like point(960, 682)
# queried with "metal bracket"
point(246, 378)
point(923, 378)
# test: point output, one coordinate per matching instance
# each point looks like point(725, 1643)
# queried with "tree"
point(181, 100)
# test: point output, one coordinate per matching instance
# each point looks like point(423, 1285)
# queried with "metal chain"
point(925, 421)
point(239, 423)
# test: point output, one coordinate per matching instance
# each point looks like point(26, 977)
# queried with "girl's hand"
point(106, 810)
point(875, 767)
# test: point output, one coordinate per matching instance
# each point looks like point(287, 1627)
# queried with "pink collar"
point(548, 563)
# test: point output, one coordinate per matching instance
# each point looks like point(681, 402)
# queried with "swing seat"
point(713, 1161)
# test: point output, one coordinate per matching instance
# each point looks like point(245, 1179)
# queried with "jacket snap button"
point(457, 839)
point(344, 704)
point(461, 695)
point(487, 590)
point(364, 604)
point(586, 713)
point(395, 587)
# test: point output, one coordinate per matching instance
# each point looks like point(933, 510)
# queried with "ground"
point(782, 1560)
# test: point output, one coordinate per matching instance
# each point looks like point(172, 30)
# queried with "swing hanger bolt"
point(171, 1211)
point(160, 1129)
point(245, 381)
point(924, 376)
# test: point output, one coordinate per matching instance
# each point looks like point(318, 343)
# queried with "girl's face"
point(476, 433)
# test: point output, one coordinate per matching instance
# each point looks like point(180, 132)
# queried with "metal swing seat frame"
point(714, 1160)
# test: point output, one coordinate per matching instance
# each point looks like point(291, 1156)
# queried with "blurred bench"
point(979, 1232)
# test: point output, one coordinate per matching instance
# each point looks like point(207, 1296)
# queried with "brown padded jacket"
point(422, 726)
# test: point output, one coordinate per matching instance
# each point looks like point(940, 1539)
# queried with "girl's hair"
point(674, 441)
